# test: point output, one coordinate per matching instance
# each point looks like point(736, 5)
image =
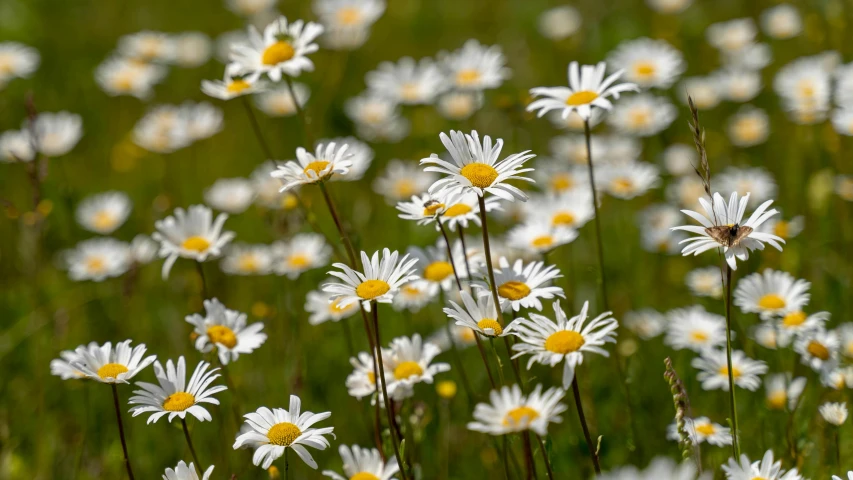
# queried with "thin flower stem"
point(235, 404)
point(449, 254)
point(464, 253)
point(121, 432)
point(593, 454)
point(601, 278)
point(728, 287)
point(200, 269)
point(528, 456)
point(497, 360)
point(309, 218)
point(545, 458)
point(837, 449)
point(343, 233)
point(488, 252)
point(256, 127)
point(309, 138)
point(513, 363)
point(286, 465)
point(190, 444)
point(348, 336)
point(388, 407)
point(485, 361)
point(505, 455)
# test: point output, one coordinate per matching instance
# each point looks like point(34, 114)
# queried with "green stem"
point(121, 432)
point(601, 278)
point(528, 456)
point(733, 404)
point(545, 458)
point(593, 454)
point(256, 127)
point(309, 138)
point(488, 252)
point(190, 444)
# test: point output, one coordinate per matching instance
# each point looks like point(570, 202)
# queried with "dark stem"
point(528, 456)
point(286, 465)
point(489, 266)
point(465, 253)
point(600, 247)
point(592, 450)
point(121, 432)
point(190, 444)
point(348, 337)
point(309, 218)
point(512, 362)
point(256, 127)
point(545, 457)
point(235, 403)
point(344, 236)
point(485, 360)
point(449, 254)
point(200, 269)
point(505, 455)
point(309, 139)
point(728, 287)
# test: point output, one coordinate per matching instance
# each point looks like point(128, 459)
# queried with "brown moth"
point(728, 235)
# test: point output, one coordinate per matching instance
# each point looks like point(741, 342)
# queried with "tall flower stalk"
point(121, 432)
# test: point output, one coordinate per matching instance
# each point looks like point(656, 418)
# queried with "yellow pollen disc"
point(699, 337)
point(781, 229)
point(817, 349)
point(278, 52)
point(438, 271)
point(564, 341)
point(724, 370)
point(407, 369)
point(565, 219)
point(334, 308)
point(283, 434)
point(446, 389)
point(430, 209)
point(364, 476)
point(371, 377)
point(404, 188)
point(316, 166)
point(849, 349)
point(520, 416)
point(706, 429)
point(622, 185)
point(467, 335)
point(561, 182)
point(371, 289)
point(349, 16)
point(807, 89)
point(466, 78)
point(794, 319)
point(6, 64)
point(248, 263)
point(544, 241)
point(238, 86)
point(95, 264)
point(644, 70)
point(456, 210)
point(298, 261)
point(581, 97)
point(489, 323)
point(123, 82)
point(479, 174)
point(196, 244)
point(104, 220)
point(409, 92)
point(111, 370)
point(288, 201)
point(639, 118)
point(771, 301)
point(748, 129)
point(513, 290)
point(410, 290)
point(777, 399)
point(222, 335)
point(178, 402)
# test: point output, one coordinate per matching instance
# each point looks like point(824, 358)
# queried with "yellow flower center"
point(748, 129)
point(438, 271)
point(196, 244)
point(123, 82)
point(334, 308)
point(561, 182)
point(456, 210)
point(639, 117)
point(520, 416)
point(429, 210)
point(818, 350)
point(370, 289)
point(104, 220)
point(222, 335)
point(446, 389)
point(807, 89)
point(543, 241)
point(565, 219)
point(349, 16)
point(288, 201)
point(490, 323)
point(781, 229)
point(564, 341)
point(581, 97)
point(513, 290)
point(316, 166)
point(248, 263)
point(410, 92)
point(468, 77)
point(777, 399)
point(705, 429)
point(111, 370)
point(283, 434)
point(298, 260)
point(96, 264)
point(238, 86)
point(622, 185)
point(467, 335)
point(699, 337)
point(178, 402)
point(724, 370)
point(278, 52)
point(794, 319)
point(771, 301)
point(644, 70)
point(404, 188)
point(371, 377)
point(407, 369)
point(411, 290)
point(479, 174)
point(364, 476)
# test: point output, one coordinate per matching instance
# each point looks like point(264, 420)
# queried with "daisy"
point(359, 153)
point(659, 216)
point(834, 413)
point(648, 63)
point(462, 337)
point(818, 348)
point(766, 468)
point(757, 182)
point(230, 195)
point(16, 146)
point(407, 82)
point(679, 158)
point(272, 431)
point(243, 259)
point(121, 76)
point(476, 167)
point(751, 57)
point(724, 227)
point(771, 293)
point(768, 335)
point(797, 321)
point(565, 340)
point(459, 105)
point(362, 381)
point(303, 252)
point(57, 133)
point(844, 331)
point(63, 367)
point(203, 120)
point(705, 91)
point(192, 49)
point(537, 235)
point(784, 228)
point(479, 315)
point(282, 50)
point(174, 396)
point(435, 268)
point(714, 372)
point(731, 35)
point(782, 21)
point(186, 472)
point(475, 66)
point(191, 234)
point(97, 259)
point(842, 121)
point(162, 130)
point(225, 331)
point(570, 210)
point(250, 8)
point(587, 89)
point(348, 21)
point(402, 179)
point(805, 88)
point(660, 467)
point(364, 464)
point(322, 308)
point(647, 323)
point(267, 189)
point(309, 167)
point(849, 476)
point(783, 391)
point(17, 61)
point(628, 180)
point(559, 23)
point(111, 365)
point(522, 285)
point(459, 208)
point(103, 213)
point(738, 84)
point(670, 7)
point(147, 46)
point(702, 429)
point(143, 249)
point(374, 111)
point(231, 86)
point(421, 208)
point(409, 361)
point(705, 282)
point(749, 127)
point(278, 102)
point(414, 295)
point(379, 282)
point(510, 411)
point(695, 329)
point(642, 115)
point(558, 178)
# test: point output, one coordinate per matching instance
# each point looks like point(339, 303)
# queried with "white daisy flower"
point(192, 49)
point(282, 50)
point(121, 76)
point(766, 468)
point(191, 234)
point(274, 430)
point(362, 381)
point(203, 120)
point(849, 476)
point(147, 46)
point(844, 331)
point(659, 216)
point(63, 367)
point(174, 396)
point(834, 413)
point(348, 22)
point(250, 8)
point(17, 61)
point(475, 66)
point(103, 213)
point(163, 129)
point(57, 133)
point(267, 189)
point(751, 57)
point(322, 308)
point(410, 361)
point(421, 208)
point(111, 365)
point(679, 158)
point(359, 153)
point(364, 464)
point(459, 105)
point(97, 259)
point(564, 340)
point(714, 371)
point(757, 182)
point(648, 63)
point(628, 180)
point(842, 120)
point(414, 295)
point(379, 282)
point(724, 227)
point(309, 167)
point(705, 91)
point(768, 335)
point(587, 89)
point(243, 259)
point(278, 102)
point(647, 323)
point(560, 22)
point(818, 348)
point(372, 110)
point(16, 146)
point(230, 195)
point(225, 331)
point(476, 167)
point(805, 88)
point(457, 209)
point(738, 84)
point(797, 321)
point(401, 179)
point(143, 249)
point(771, 293)
point(558, 178)
point(231, 86)
point(783, 391)
point(570, 210)
point(705, 282)
point(523, 286)
point(435, 268)
point(642, 115)
point(731, 35)
point(748, 127)
point(479, 315)
point(843, 91)
point(660, 467)
point(186, 472)
point(407, 82)
point(695, 329)
point(669, 7)
point(782, 21)
point(574, 122)
point(701, 430)
point(538, 235)
point(303, 252)
point(462, 337)
point(510, 411)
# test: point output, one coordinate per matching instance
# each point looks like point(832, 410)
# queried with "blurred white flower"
point(16, 146)
point(147, 46)
point(283, 49)
point(192, 49)
point(302, 252)
point(57, 133)
point(97, 259)
point(834, 413)
point(121, 76)
point(230, 195)
point(17, 61)
point(103, 213)
point(475, 66)
point(748, 127)
point(781, 21)
point(243, 259)
point(714, 370)
point(559, 22)
point(192, 234)
point(648, 63)
point(407, 82)
point(277, 101)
